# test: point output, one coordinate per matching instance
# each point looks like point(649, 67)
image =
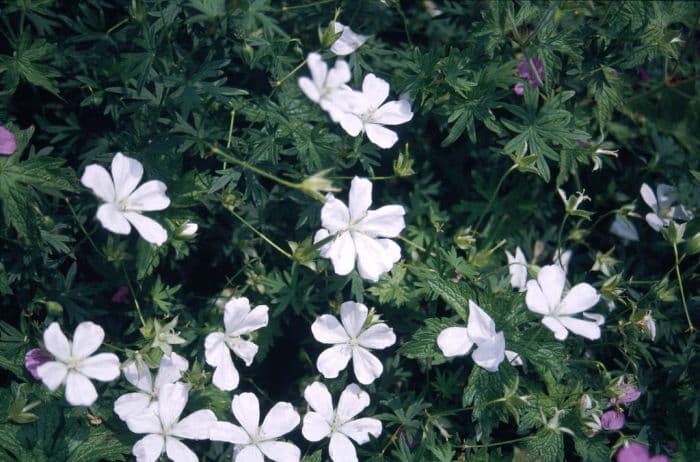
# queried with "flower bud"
point(648, 325)
point(318, 183)
point(54, 308)
point(188, 230)
point(35, 358)
point(612, 420)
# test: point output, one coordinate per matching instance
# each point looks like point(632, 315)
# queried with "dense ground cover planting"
point(365, 230)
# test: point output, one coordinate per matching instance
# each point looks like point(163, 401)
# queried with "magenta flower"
point(121, 295)
point(525, 71)
point(612, 420)
point(635, 452)
point(8, 142)
point(35, 358)
point(626, 394)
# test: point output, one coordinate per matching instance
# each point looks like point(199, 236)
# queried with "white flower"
point(239, 321)
point(544, 296)
point(165, 335)
point(164, 429)
point(327, 88)
point(480, 331)
point(139, 375)
point(364, 112)
point(74, 365)
point(348, 41)
point(253, 440)
point(323, 421)
point(351, 339)
point(123, 202)
point(189, 229)
point(562, 258)
point(623, 228)
point(356, 233)
point(660, 203)
point(517, 267)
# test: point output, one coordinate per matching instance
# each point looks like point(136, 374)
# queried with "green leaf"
point(29, 62)
point(546, 446)
point(423, 343)
point(100, 445)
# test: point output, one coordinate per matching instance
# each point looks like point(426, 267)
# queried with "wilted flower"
point(8, 142)
point(635, 452)
point(648, 325)
point(253, 440)
point(124, 203)
point(626, 393)
point(517, 267)
point(323, 421)
point(533, 71)
point(35, 358)
point(239, 322)
point(544, 296)
point(358, 233)
point(623, 228)
point(661, 205)
point(348, 41)
point(612, 420)
point(351, 339)
point(74, 363)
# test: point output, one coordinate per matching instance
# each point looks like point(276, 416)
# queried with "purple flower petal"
point(519, 89)
point(121, 295)
point(525, 69)
point(35, 358)
point(8, 142)
point(612, 420)
point(633, 452)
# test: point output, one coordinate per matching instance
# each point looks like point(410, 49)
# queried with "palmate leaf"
point(29, 62)
point(423, 344)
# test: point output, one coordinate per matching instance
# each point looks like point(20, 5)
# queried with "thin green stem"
point(559, 236)
point(82, 228)
point(397, 4)
point(691, 328)
point(284, 9)
point(262, 236)
point(229, 140)
point(133, 296)
point(500, 443)
point(279, 82)
point(373, 178)
point(493, 196)
point(411, 243)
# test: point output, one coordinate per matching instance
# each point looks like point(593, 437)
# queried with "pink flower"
point(525, 71)
point(635, 452)
point(626, 393)
point(35, 358)
point(612, 420)
point(121, 295)
point(8, 142)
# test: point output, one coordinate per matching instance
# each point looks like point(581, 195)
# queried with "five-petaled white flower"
point(326, 87)
point(351, 339)
point(74, 364)
point(364, 112)
point(357, 233)
point(480, 331)
point(139, 375)
point(517, 267)
point(661, 204)
point(348, 41)
point(253, 440)
point(323, 421)
point(124, 203)
point(544, 296)
point(164, 429)
point(239, 321)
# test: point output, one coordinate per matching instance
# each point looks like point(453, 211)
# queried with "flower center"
point(73, 364)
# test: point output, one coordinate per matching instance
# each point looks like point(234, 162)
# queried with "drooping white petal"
point(341, 449)
point(335, 216)
point(148, 197)
point(318, 69)
point(244, 349)
point(249, 454)
point(280, 451)
point(145, 422)
point(228, 432)
point(393, 113)
point(320, 400)
point(372, 258)
point(131, 404)
point(327, 329)
point(580, 298)
point(113, 219)
point(148, 448)
point(551, 279)
point(178, 452)
point(380, 135)
point(375, 90)
point(517, 267)
point(217, 354)
point(454, 341)
point(348, 41)
point(377, 336)
point(480, 327)
point(490, 353)
point(103, 367)
point(99, 181)
point(353, 315)
point(339, 75)
point(315, 427)
point(665, 195)
point(351, 123)
point(553, 324)
point(649, 197)
point(333, 360)
point(310, 89)
point(366, 366)
point(170, 369)
point(588, 329)
point(535, 299)
point(281, 420)
point(139, 375)
point(341, 251)
point(655, 221)
point(246, 409)
point(562, 258)
point(360, 198)
point(361, 429)
point(195, 426)
point(52, 374)
point(595, 317)
point(623, 228)
point(514, 358)
point(126, 173)
point(79, 390)
point(352, 401)
point(148, 228)
point(56, 342)
point(386, 221)
point(172, 398)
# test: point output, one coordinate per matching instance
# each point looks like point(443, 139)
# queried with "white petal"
point(244, 349)
point(360, 198)
point(103, 367)
point(381, 136)
point(375, 89)
point(587, 329)
point(353, 315)
point(225, 431)
point(377, 336)
point(386, 221)
point(178, 452)
point(623, 228)
point(320, 400)
point(280, 451)
point(315, 427)
point(320, 235)
point(281, 420)
point(235, 311)
point(514, 358)
point(373, 260)
point(517, 267)
point(56, 342)
point(113, 219)
point(491, 353)
point(360, 430)
point(551, 279)
point(353, 400)
point(393, 113)
point(327, 329)
point(309, 89)
point(148, 448)
point(562, 258)
point(145, 422)
point(339, 75)
point(599, 319)
point(351, 123)
point(535, 299)
point(665, 195)
point(79, 390)
point(195, 426)
point(481, 327)
point(148, 228)
point(225, 375)
point(249, 454)
point(215, 349)
point(170, 369)
point(553, 324)
point(127, 173)
point(649, 197)
point(334, 215)
point(99, 181)
point(655, 221)
point(454, 341)
point(333, 360)
point(253, 320)
point(318, 69)
point(139, 375)
point(580, 298)
point(131, 404)
point(148, 197)
point(246, 408)
point(341, 449)
point(52, 373)
point(366, 366)
point(341, 251)
point(348, 41)
point(172, 398)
